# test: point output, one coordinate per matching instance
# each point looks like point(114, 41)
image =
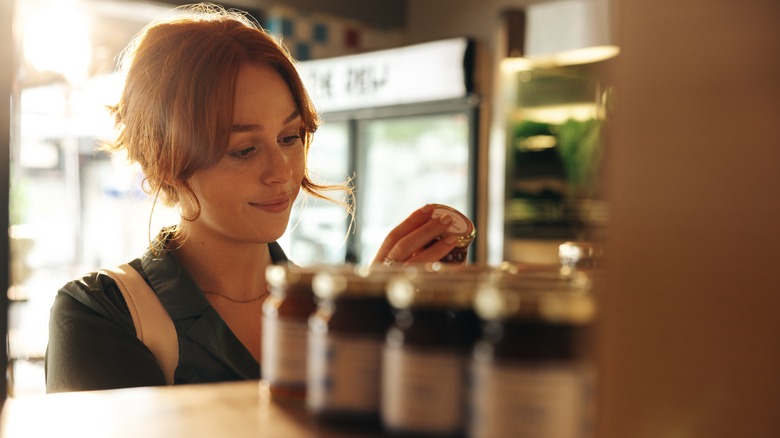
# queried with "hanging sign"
point(419, 73)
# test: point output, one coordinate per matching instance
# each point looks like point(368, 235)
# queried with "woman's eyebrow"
point(255, 127)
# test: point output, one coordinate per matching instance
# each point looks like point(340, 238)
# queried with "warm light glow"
point(400, 293)
point(537, 143)
point(585, 55)
point(559, 114)
point(560, 59)
point(510, 65)
point(490, 303)
point(56, 40)
point(327, 285)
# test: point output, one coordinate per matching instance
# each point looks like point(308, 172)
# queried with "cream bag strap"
point(153, 325)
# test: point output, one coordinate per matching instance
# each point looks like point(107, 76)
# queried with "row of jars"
point(433, 350)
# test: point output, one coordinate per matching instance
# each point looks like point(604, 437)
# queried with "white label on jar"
point(545, 400)
point(422, 391)
point(458, 225)
point(284, 350)
point(343, 373)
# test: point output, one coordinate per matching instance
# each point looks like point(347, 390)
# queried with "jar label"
point(284, 351)
point(343, 373)
point(546, 400)
point(458, 225)
point(422, 391)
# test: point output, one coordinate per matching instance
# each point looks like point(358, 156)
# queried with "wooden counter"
point(243, 409)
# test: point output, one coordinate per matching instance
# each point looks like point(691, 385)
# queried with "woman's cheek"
point(298, 167)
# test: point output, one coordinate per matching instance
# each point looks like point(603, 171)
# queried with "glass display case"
point(404, 140)
point(554, 123)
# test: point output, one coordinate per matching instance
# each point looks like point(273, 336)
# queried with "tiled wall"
point(315, 36)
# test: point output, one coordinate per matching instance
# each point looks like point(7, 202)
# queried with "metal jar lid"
point(352, 281)
point(537, 296)
point(436, 285)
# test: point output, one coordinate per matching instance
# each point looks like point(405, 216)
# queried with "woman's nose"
point(276, 166)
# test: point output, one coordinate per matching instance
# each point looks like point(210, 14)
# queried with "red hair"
point(176, 109)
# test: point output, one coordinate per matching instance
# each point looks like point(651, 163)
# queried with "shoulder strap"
point(153, 325)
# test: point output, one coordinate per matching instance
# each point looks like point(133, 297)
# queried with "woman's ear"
point(187, 200)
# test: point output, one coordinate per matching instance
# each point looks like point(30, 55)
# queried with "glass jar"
point(346, 335)
point(531, 371)
point(426, 350)
point(579, 255)
point(462, 227)
point(286, 312)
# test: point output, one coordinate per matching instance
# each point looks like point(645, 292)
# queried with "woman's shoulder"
point(92, 340)
point(95, 291)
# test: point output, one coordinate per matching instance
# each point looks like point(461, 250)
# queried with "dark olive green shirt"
point(93, 343)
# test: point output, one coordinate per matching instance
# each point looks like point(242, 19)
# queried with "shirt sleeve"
point(92, 341)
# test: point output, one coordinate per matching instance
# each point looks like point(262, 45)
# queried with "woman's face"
point(248, 194)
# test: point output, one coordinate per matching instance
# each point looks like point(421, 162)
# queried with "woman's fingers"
point(411, 223)
point(416, 242)
point(411, 241)
point(435, 251)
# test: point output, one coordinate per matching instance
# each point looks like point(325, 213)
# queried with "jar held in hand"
point(462, 227)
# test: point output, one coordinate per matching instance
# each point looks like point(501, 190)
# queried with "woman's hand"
point(408, 242)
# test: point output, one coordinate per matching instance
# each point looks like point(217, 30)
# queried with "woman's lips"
point(275, 205)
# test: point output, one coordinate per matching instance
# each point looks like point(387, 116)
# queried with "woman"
point(216, 114)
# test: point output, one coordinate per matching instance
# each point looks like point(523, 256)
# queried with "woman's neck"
point(222, 265)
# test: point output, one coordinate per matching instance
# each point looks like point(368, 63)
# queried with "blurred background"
point(648, 128)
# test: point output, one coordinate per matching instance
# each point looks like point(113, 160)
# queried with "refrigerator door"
point(317, 233)
point(410, 138)
point(555, 118)
point(406, 162)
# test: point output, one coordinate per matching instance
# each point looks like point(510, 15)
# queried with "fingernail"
point(451, 239)
point(426, 208)
point(445, 219)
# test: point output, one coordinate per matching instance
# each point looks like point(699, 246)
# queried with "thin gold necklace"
point(250, 300)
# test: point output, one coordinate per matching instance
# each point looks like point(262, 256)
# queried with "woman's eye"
point(242, 153)
point(290, 140)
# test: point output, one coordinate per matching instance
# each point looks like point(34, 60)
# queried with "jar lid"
point(578, 255)
point(281, 278)
point(536, 296)
point(461, 225)
point(287, 278)
point(436, 285)
point(353, 281)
